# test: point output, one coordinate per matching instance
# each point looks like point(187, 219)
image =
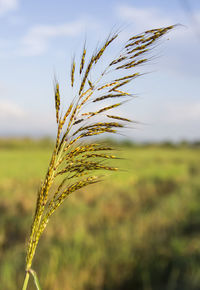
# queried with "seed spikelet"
point(72, 73)
point(82, 60)
point(57, 101)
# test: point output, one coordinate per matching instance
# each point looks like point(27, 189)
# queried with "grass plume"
point(72, 159)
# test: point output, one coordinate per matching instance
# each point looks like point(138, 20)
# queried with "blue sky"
point(39, 38)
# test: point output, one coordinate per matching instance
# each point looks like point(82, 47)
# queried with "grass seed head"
point(72, 158)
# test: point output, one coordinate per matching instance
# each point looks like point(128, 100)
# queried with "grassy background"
point(139, 229)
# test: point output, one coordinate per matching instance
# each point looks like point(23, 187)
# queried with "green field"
point(138, 229)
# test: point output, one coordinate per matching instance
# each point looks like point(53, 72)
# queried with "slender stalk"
point(36, 280)
point(26, 281)
point(35, 277)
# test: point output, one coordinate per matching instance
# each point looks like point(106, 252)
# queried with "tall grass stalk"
point(74, 162)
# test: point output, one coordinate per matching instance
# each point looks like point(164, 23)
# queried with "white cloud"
point(7, 5)
point(10, 110)
point(152, 17)
point(37, 39)
point(143, 18)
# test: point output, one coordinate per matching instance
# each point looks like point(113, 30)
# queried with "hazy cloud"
point(185, 40)
point(15, 120)
point(173, 113)
point(9, 109)
point(179, 113)
point(143, 18)
point(37, 39)
point(6, 5)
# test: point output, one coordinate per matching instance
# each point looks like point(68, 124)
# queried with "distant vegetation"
point(20, 143)
point(139, 229)
point(48, 142)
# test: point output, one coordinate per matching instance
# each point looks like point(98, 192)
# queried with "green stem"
point(34, 274)
point(35, 277)
point(26, 281)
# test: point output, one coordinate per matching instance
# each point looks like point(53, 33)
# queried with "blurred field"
point(139, 229)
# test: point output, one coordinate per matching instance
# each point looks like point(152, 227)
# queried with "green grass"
point(139, 229)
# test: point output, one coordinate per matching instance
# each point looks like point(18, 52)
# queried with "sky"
point(38, 40)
